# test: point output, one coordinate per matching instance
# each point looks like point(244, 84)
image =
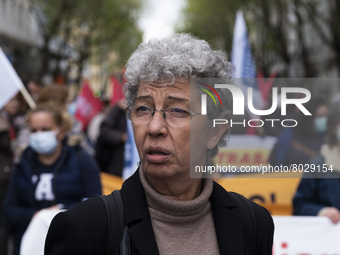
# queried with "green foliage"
point(96, 29)
point(285, 35)
point(212, 20)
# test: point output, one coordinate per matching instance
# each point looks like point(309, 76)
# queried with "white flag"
point(241, 55)
point(242, 58)
point(10, 83)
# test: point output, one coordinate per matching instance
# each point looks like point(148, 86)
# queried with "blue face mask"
point(44, 142)
point(320, 124)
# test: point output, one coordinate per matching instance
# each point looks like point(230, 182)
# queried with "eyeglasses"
point(142, 114)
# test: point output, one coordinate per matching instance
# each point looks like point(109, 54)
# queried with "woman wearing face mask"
point(59, 94)
point(51, 174)
point(319, 192)
point(299, 144)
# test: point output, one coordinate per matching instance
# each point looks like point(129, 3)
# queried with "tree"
point(212, 21)
point(92, 29)
point(324, 17)
point(282, 33)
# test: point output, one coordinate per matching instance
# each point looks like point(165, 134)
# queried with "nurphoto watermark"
point(254, 126)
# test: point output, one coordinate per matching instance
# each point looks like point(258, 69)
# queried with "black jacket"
point(75, 177)
point(109, 146)
point(6, 163)
point(82, 230)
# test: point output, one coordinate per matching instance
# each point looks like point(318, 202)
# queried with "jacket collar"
point(137, 216)
point(229, 228)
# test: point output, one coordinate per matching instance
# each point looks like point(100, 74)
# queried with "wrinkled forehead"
point(164, 89)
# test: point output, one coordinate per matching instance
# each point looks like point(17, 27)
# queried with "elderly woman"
point(166, 211)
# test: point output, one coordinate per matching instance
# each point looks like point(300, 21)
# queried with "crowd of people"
point(317, 193)
point(314, 142)
point(46, 161)
point(51, 164)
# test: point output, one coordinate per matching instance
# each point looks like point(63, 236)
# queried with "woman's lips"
point(157, 158)
point(157, 155)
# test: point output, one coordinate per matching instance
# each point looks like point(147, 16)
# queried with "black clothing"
point(82, 230)
point(109, 146)
point(71, 179)
point(6, 164)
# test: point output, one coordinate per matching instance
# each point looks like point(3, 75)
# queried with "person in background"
point(93, 128)
point(12, 113)
point(318, 193)
point(59, 94)
point(51, 174)
point(34, 87)
point(111, 140)
point(12, 123)
point(299, 144)
point(56, 93)
point(6, 162)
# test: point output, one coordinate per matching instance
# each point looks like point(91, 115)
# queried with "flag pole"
point(28, 97)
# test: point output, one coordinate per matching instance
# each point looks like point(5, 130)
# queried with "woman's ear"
point(216, 134)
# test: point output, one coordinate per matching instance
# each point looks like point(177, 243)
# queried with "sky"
point(159, 18)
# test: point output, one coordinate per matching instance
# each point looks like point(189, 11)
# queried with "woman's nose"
point(157, 124)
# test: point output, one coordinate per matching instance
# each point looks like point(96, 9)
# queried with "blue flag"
point(131, 157)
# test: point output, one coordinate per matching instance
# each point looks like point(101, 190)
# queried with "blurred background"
point(73, 52)
point(64, 40)
point(294, 38)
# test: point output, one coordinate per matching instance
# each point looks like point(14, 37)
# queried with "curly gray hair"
point(180, 56)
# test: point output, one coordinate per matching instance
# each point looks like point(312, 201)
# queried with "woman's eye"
point(178, 112)
point(142, 109)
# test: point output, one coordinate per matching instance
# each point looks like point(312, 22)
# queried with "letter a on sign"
point(44, 188)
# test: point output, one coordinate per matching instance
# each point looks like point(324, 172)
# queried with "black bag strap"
point(116, 226)
point(245, 209)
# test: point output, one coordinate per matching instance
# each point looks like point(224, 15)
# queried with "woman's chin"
point(164, 171)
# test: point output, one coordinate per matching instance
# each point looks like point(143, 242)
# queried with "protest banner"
point(301, 235)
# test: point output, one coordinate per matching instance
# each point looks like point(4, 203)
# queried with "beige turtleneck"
point(182, 227)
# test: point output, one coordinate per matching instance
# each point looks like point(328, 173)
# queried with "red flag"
point(117, 90)
point(265, 86)
point(87, 105)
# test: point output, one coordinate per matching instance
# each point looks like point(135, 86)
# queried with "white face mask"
point(44, 142)
point(320, 124)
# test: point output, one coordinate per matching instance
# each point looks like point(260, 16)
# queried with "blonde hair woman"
point(50, 173)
